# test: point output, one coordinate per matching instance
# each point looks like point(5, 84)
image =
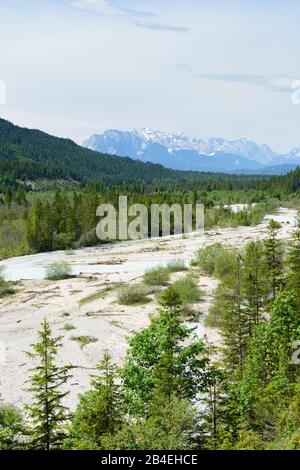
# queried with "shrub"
point(68, 327)
point(12, 428)
point(84, 340)
point(186, 288)
point(95, 296)
point(157, 276)
point(206, 258)
point(58, 270)
point(176, 265)
point(5, 286)
point(135, 294)
point(225, 263)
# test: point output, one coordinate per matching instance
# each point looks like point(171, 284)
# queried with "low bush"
point(58, 270)
point(69, 327)
point(206, 258)
point(134, 294)
point(186, 288)
point(5, 286)
point(176, 265)
point(157, 276)
point(84, 340)
point(225, 264)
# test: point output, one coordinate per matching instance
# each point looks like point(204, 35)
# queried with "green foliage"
point(13, 432)
point(47, 413)
point(294, 262)
point(69, 327)
point(206, 258)
point(5, 286)
point(274, 258)
point(187, 290)
point(170, 297)
point(58, 270)
point(84, 340)
point(226, 265)
point(95, 296)
point(176, 265)
point(100, 410)
point(158, 353)
point(134, 294)
point(157, 276)
point(253, 283)
point(169, 425)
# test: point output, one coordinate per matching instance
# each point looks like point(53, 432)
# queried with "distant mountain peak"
point(176, 150)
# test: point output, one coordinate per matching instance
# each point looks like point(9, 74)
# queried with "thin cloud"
point(162, 27)
point(109, 8)
point(275, 83)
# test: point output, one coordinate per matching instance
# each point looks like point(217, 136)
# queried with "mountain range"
point(177, 151)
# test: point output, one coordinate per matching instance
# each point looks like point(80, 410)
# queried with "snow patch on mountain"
point(176, 150)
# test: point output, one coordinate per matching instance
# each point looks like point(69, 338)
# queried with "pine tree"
point(253, 283)
point(47, 412)
point(294, 262)
point(234, 320)
point(274, 258)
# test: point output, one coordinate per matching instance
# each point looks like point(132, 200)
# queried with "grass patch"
point(176, 266)
point(157, 276)
point(69, 252)
point(58, 270)
point(65, 314)
point(84, 340)
point(95, 296)
point(5, 286)
point(134, 294)
point(69, 327)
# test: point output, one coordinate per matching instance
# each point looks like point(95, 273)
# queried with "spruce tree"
point(47, 412)
point(273, 258)
point(294, 262)
point(253, 283)
point(233, 323)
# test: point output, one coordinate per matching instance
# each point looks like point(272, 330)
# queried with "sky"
point(208, 68)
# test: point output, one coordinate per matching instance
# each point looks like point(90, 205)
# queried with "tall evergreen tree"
point(47, 412)
point(274, 258)
point(233, 323)
point(253, 283)
point(294, 262)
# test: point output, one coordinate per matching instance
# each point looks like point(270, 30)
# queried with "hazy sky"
point(204, 67)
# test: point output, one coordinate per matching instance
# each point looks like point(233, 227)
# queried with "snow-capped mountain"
point(293, 154)
point(181, 152)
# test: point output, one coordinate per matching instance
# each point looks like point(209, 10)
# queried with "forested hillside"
point(31, 155)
